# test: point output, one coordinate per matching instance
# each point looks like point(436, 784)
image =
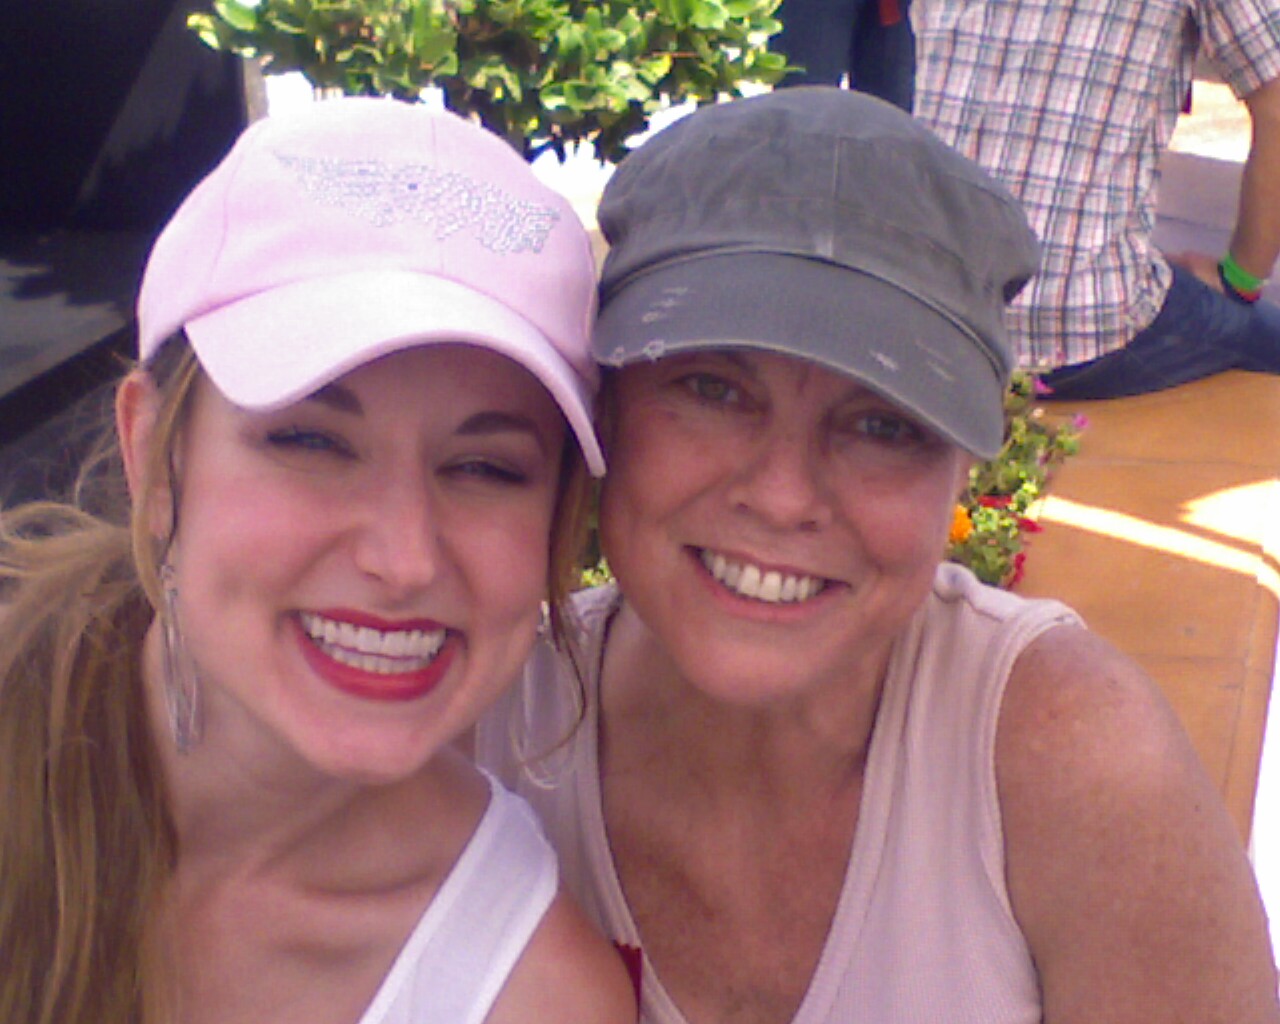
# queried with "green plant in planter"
point(544, 74)
point(995, 514)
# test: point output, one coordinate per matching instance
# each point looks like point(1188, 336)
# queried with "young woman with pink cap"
point(356, 445)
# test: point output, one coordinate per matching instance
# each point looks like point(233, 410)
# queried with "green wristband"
point(1239, 278)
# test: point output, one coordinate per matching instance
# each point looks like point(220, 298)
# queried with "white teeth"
point(770, 586)
point(789, 586)
point(732, 573)
point(372, 650)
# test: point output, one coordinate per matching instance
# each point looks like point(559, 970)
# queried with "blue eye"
point(890, 428)
point(710, 388)
point(483, 469)
point(303, 439)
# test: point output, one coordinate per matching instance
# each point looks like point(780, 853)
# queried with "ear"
point(137, 408)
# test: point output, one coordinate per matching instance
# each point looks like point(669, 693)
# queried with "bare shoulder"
point(569, 974)
point(1125, 871)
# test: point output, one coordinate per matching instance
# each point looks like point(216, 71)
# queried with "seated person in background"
point(355, 444)
point(868, 40)
point(1071, 105)
point(820, 777)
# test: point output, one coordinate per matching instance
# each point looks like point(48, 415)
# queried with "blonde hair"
point(86, 841)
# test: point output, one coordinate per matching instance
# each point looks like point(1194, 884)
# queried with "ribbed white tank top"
point(923, 930)
point(468, 940)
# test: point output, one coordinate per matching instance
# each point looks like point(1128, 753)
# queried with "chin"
point(749, 682)
point(375, 762)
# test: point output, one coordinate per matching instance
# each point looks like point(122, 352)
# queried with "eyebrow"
point(496, 422)
point(335, 396)
point(739, 357)
point(493, 421)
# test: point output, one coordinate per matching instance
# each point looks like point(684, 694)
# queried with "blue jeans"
point(832, 38)
point(1197, 333)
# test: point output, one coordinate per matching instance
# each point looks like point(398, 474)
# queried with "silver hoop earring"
point(181, 686)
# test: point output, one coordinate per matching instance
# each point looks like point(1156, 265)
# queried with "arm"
point(1255, 242)
point(1125, 871)
point(568, 974)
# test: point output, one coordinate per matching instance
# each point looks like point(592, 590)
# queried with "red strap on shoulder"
point(890, 12)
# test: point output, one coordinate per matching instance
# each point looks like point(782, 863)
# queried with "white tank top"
point(469, 938)
point(923, 930)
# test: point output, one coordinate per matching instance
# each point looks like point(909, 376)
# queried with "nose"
point(398, 541)
point(782, 482)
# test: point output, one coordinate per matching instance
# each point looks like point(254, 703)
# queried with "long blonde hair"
point(86, 840)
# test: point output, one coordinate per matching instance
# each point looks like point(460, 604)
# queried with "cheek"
point(663, 468)
point(241, 530)
point(907, 523)
point(616, 499)
point(612, 511)
point(507, 559)
point(631, 511)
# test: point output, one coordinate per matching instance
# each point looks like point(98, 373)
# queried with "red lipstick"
point(379, 686)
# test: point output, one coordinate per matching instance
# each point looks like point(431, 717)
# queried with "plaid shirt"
point(1070, 103)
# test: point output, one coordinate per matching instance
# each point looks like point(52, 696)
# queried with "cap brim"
point(847, 321)
point(320, 329)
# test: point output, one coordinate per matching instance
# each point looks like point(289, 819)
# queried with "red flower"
point(996, 500)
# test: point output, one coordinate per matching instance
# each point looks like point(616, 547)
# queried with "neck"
point(813, 741)
point(236, 799)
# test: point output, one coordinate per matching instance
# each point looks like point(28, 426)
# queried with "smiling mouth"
point(753, 581)
point(376, 651)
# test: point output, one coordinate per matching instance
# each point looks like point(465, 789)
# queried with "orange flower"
point(961, 525)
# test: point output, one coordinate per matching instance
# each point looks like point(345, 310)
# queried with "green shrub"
point(544, 74)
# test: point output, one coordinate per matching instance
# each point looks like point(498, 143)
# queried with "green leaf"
point(437, 46)
point(240, 16)
point(680, 12)
point(204, 26)
point(709, 15)
point(654, 69)
point(610, 40)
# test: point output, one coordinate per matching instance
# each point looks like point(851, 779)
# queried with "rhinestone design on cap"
point(383, 194)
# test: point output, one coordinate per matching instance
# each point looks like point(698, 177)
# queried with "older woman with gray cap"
point(821, 777)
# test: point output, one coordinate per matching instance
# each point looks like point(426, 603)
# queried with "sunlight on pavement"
point(1172, 540)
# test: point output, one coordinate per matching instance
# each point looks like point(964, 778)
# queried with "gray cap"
point(828, 225)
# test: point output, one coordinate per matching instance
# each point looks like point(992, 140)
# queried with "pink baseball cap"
point(358, 227)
